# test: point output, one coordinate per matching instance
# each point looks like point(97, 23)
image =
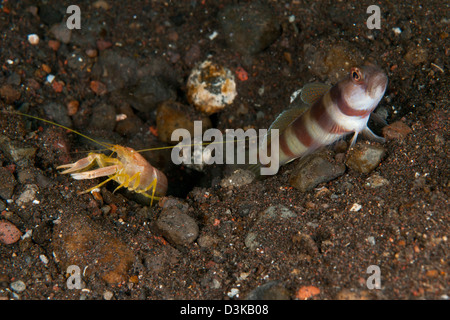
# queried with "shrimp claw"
point(129, 169)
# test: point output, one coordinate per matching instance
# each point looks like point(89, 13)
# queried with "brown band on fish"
point(336, 97)
point(302, 134)
point(284, 147)
point(320, 114)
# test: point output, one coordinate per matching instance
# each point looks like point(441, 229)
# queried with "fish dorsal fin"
point(312, 92)
point(285, 118)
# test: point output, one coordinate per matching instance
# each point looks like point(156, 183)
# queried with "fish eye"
point(356, 75)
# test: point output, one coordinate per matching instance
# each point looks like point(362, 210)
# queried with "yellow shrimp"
point(129, 169)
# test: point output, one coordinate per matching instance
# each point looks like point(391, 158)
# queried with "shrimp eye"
point(356, 75)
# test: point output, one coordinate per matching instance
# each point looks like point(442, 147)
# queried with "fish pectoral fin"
point(372, 136)
point(353, 141)
point(312, 92)
point(378, 119)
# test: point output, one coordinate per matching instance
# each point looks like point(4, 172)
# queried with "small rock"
point(173, 202)
point(61, 32)
point(54, 44)
point(78, 240)
point(307, 292)
point(103, 117)
point(305, 244)
point(7, 183)
point(314, 170)
point(416, 56)
point(172, 115)
point(376, 181)
point(365, 157)
point(347, 294)
point(18, 154)
point(58, 113)
point(396, 131)
point(9, 233)
point(28, 195)
point(33, 39)
point(177, 227)
point(150, 92)
point(273, 290)
point(211, 87)
point(115, 71)
point(238, 178)
point(9, 94)
point(249, 28)
point(43, 258)
point(76, 61)
point(98, 87)
point(108, 295)
point(72, 107)
point(18, 286)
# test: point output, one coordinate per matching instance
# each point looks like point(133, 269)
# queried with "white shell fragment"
point(211, 87)
point(33, 39)
point(355, 207)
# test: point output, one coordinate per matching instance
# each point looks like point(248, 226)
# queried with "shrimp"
point(129, 168)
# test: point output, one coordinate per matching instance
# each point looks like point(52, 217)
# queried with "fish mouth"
point(376, 81)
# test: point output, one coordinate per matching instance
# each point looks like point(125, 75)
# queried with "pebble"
point(314, 170)
point(9, 93)
point(79, 240)
point(249, 28)
point(61, 32)
point(272, 290)
point(28, 195)
point(9, 233)
point(58, 113)
point(376, 181)
point(416, 56)
point(18, 286)
point(7, 183)
point(103, 117)
point(365, 157)
point(108, 295)
point(150, 92)
point(211, 87)
point(99, 88)
point(238, 178)
point(172, 115)
point(33, 39)
point(177, 227)
point(43, 258)
point(307, 292)
point(396, 131)
point(22, 156)
point(54, 44)
point(115, 70)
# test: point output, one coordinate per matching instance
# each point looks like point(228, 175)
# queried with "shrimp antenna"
point(103, 144)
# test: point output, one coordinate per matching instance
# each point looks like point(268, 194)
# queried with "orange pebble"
point(241, 74)
point(307, 292)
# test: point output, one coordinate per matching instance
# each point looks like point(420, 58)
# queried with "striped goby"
point(329, 113)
